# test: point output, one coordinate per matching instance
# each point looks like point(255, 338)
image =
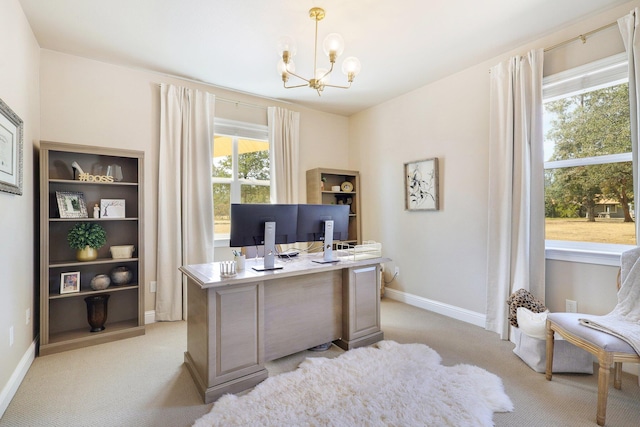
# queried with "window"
point(241, 170)
point(587, 150)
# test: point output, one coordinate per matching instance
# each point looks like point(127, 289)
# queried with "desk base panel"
point(237, 385)
point(360, 342)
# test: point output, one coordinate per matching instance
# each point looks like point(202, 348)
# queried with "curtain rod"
point(233, 101)
point(582, 37)
point(238, 103)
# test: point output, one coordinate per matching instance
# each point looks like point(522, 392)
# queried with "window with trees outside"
point(240, 172)
point(587, 148)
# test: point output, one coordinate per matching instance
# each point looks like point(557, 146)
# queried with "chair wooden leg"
point(603, 387)
point(550, 343)
point(617, 375)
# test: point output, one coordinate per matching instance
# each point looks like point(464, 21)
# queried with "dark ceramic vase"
point(97, 311)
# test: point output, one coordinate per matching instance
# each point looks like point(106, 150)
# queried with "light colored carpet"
point(143, 382)
point(388, 384)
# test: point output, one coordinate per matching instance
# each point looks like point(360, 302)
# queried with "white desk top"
point(208, 275)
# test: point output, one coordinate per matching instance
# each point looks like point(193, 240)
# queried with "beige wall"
point(93, 103)
point(442, 255)
point(19, 90)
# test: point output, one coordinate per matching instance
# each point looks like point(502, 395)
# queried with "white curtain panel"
point(628, 26)
point(185, 198)
point(284, 135)
point(516, 186)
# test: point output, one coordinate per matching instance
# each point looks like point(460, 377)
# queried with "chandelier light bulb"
point(289, 67)
point(285, 69)
point(351, 67)
point(286, 47)
point(333, 46)
point(321, 77)
point(282, 67)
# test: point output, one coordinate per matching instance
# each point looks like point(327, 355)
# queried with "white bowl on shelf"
point(121, 251)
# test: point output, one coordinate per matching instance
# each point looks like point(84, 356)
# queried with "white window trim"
point(596, 75)
point(599, 74)
point(585, 252)
point(243, 130)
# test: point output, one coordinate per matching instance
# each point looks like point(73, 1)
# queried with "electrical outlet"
point(396, 272)
point(153, 287)
point(28, 315)
point(571, 306)
point(11, 336)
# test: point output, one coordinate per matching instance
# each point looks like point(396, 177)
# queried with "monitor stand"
point(328, 244)
point(269, 248)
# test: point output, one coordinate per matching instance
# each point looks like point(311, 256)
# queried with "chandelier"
point(333, 47)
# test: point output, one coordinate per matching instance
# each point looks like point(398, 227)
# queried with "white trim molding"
point(458, 313)
point(10, 389)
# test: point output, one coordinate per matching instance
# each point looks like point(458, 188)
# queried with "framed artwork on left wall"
point(11, 129)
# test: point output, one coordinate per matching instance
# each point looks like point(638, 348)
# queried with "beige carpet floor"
point(143, 382)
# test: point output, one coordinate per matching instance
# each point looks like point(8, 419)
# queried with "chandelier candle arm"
point(333, 47)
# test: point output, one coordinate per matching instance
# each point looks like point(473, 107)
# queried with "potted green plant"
point(86, 238)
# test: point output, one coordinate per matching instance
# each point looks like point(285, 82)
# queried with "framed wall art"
point(11, 129)
point(70, 282)
point(421, 185)
point(71, 204)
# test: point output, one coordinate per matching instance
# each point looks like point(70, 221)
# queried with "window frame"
point(595, 75)
point(237, 130)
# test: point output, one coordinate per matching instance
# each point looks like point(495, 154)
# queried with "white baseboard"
point(149, 317)
point(458, 313)
point(10, 389)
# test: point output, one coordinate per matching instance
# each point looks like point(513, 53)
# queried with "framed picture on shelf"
point(112, 208)
point(71, 204)
point(70, 282)
point(421, 185)
point(11, 127)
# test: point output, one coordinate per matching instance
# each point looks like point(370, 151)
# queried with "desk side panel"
point(197, 330)
point(366, 301)
point(361, 307)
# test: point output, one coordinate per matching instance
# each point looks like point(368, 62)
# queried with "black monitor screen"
point(311, 220)
point(247, 223)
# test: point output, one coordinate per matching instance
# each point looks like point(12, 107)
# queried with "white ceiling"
point(402, 44)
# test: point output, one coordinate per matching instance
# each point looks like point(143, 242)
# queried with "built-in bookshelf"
point(336, 186)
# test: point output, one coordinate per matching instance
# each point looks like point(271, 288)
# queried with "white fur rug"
point(393, 384)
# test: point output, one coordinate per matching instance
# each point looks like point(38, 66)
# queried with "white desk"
point(237, 324)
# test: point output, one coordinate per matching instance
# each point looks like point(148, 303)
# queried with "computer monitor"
point(263, 224)
point(324, 223)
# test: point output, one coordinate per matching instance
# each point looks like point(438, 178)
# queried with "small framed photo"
point(421, 185)
point(71, 204)
point(112, 208)
point(11, 129)
point(70, 282)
